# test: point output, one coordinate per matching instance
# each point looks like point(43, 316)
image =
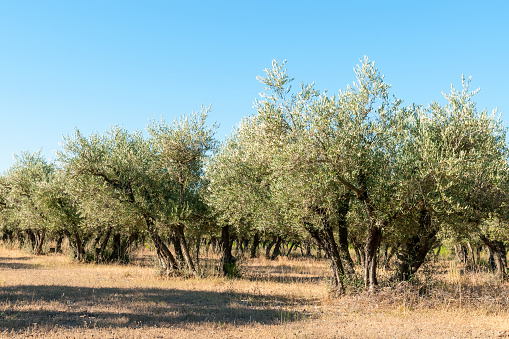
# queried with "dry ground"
point(53, 297)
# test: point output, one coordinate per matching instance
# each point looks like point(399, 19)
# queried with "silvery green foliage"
point(305, 150)
point(119, 166)
point(27, 181)
point(181, 150)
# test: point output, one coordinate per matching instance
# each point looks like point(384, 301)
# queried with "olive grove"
point(358, 173)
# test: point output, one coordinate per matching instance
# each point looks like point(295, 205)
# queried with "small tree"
point(26, 181)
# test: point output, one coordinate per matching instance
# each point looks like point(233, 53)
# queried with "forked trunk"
point(185, 251)
point(277, 248)
point(325, 239)
point(166, 259)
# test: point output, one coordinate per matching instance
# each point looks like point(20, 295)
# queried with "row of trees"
point(353, 170)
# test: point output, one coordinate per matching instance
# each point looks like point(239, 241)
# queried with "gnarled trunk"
point(499, 252)
point(168, 263)
point(228, 262)
point(325, 239)
point(185, 250)
point(413, 252)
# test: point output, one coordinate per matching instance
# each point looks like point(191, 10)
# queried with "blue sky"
point(93, 64)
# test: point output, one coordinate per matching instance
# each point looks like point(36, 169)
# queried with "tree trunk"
point(80, 251)
point(387, 260)
point(8, 235)
point(414, 251)
point(292, 246)
point(256, 243)
point(370, 251)
point(197, 248)
point(359, 254)
point(325, 239)
point(102, 248)
point(31, 239)
point(499, 252)
point(308, 248)
point(179, 254)
point(269, 248)
point(168, 263)
point(185, 251)
point(115, 249)
point(39, 237)
point(277, 248)
point(60, 239)
point(343, 249)
point(343, 208)
point(461, 253)
point(228, 262)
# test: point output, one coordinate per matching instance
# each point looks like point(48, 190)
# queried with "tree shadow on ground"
point(15, 263)
point(280, 274)
point(284, 279)
point(70, 307)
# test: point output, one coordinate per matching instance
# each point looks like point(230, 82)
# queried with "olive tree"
point(181, 150)
point(348, 140)
point(25, 182)
point(124, 165)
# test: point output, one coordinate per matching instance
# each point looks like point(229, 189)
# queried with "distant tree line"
point(356, 172)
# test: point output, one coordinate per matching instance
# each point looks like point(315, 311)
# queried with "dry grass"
point(51, 296)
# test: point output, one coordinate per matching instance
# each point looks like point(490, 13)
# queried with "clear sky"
point(93, 64)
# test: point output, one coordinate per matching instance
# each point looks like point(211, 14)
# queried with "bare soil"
point(53, 297)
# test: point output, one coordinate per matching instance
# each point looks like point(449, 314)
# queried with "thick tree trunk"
point(414, 251)
point(40, 236)
point(115, 249)
point(499, 252)
point(308, 248)
point(8, 235)
point(80, 251)
point(256, 243)
point(227, 260)
point(179, 254)
point(76, 244)
point(472, 254)
point(31, 239)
